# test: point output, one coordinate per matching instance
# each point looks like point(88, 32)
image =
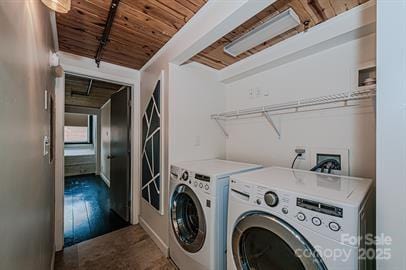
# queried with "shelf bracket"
point(271, 122)
point(221, 127)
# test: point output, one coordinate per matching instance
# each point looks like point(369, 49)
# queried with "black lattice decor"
point(151, 154)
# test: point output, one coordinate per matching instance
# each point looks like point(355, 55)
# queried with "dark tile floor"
point(87, 209)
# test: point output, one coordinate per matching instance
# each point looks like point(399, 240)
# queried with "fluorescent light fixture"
point(275, 26)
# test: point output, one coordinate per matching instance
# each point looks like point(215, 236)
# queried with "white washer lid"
point(345, 189)
point(216, 168)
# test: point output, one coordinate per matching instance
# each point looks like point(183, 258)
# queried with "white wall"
point(328, 72)
point(26, 182)
point(105, 141)
point(195, 95)
point(391, 131)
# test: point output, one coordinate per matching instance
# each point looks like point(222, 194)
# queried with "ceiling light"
point(61, 6)
point(273, 27)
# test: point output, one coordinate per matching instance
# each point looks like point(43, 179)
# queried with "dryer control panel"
point(328, 218)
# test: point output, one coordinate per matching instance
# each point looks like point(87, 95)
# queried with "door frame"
point(83, 69)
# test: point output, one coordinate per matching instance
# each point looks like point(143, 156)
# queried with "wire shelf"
point(294, 106)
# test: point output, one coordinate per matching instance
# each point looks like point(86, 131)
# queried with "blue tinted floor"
point(87, 209)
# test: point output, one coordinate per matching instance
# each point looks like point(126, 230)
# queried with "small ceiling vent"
point(273, 27)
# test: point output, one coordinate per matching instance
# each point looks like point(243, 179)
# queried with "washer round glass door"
point(263, 241)
point(187, 216)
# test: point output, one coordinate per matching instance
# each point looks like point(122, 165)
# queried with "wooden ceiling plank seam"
point(189, 5)
point(119, 38)
point(150, 7)
point(314, 17)
point(167, 7)
point(198, 2)
point(205, 61)
point(104, 4)
point(177, 8)
point(131, 51)
point(327, 8)
point(127, 12)
point(76, 50)
point(82, 21)
point(135, 51)
point(81, 7)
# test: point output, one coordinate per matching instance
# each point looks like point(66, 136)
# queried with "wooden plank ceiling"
point(140, 28)
point(77, 92)
point(312, 11)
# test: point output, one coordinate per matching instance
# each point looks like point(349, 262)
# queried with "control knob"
point(271, 199)
point(185, 176)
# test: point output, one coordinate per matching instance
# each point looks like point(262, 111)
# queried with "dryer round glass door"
point(187, 216)
point(263, 241)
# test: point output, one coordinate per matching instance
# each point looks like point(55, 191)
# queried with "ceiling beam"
point(214, 20)
point(89, 87)
point(106, 32)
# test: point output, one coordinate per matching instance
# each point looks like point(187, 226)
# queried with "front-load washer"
point(198, 212)
point(282, 218)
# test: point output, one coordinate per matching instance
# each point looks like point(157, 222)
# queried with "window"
point(78, 128)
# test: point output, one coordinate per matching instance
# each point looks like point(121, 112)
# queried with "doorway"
point(97, 154)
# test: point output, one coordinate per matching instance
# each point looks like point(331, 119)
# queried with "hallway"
point(87, 211)
point(127, 248)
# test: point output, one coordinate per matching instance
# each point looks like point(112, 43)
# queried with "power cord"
point(299, 153)
point(294, 161)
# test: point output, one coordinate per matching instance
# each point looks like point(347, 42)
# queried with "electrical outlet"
point(301, 151)
point(266, 93)
point(251, 93)
point(257, 92)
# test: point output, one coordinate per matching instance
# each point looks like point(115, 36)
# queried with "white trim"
point(353, 24)
point(105, 179)
point(83, 66)
point(391, 132)
point(155, 237)
point(59, 161)
point(162, 128)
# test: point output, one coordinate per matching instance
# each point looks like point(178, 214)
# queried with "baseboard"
point(105, 179)
point(157, 240)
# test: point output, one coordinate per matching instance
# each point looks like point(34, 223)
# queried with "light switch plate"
point(46, 100)
point(46, 145)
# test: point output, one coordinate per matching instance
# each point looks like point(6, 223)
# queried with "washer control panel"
point(198, 181)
